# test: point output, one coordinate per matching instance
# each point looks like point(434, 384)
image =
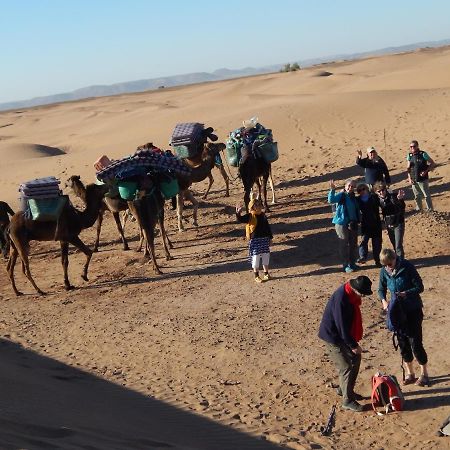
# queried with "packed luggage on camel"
point(252, 149)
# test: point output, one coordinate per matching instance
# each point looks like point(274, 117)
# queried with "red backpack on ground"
point(386, 392)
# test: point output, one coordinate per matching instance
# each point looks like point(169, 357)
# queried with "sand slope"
point(203, 338)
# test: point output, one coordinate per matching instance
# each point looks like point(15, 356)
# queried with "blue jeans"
point(396, 237)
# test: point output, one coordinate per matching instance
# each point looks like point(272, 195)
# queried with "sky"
point(55, 46)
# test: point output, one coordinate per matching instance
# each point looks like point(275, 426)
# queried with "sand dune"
point(220, 356)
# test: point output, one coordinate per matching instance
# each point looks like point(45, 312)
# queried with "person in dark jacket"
point(5, 212)
point(341, 328)
point(259, 235)
point(393, 210)
point(401, 278)
point(419, 164)
point(371, 228)
point(375, 169)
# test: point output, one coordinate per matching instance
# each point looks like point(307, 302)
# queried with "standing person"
point(419, 164)
point(346, 219)
point(369, 206)
point(401, 278)
point(341, 328)
point(5, 209)
point(375, 169)
point(393, 211)
point(259, 235)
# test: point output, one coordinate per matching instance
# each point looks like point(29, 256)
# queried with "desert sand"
point(201, 357)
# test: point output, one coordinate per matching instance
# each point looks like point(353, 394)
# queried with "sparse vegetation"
point(290, 67)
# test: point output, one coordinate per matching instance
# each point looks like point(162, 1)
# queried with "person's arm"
point(387, 176)
point(332, 196)
point(382, 288)
point(430, 164)
point(242, 219)
point(416, 281)
point(269, 228)
point(408, 169)
point(362, 162)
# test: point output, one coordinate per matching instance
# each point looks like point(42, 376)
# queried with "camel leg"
point(180, 205)
point(165, 238)
point(247, 191)
point(272, 186)
point(190, 196)
point(65, 264)
point(120, 229)
point(264, 186)
point(22, 251)
point(80, 245)
point(226, 179)
point(99, 229)
point(211, 181)
point(150, 238)
point(10, 268)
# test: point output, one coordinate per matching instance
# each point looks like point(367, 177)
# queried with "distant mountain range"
point(201, 77)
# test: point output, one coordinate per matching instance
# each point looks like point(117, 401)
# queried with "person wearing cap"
point(375, 169)
point(419, 164)
point(401, 278)
point(341, 328)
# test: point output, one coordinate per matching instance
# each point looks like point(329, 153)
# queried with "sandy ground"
point(202, 357)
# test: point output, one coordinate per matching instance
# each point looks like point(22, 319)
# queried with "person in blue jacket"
point(346, 219)
point(401, 278)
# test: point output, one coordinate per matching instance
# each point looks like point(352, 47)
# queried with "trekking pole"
point(385, 149)
point(328, 428)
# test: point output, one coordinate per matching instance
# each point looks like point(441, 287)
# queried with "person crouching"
point(259, 234)
point(341, 328)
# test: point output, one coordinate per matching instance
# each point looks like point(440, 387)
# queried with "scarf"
point(356, 329)
point(251, 225)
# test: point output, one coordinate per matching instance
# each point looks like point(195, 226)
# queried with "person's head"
point(350, 186)
point(380, 189)
point(362, 189)
point(361, 285)
point(255, 206)
point(250, 123)
point(414, 146)
point(371, 153)
point(388, 257)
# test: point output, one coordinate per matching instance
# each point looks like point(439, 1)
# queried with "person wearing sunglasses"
point(375, 169)
point(401, 278)
point(371, 228)
point(346, 219)
point(393, 211)
point(419, 164)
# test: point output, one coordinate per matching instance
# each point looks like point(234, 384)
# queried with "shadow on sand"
point(47, 404)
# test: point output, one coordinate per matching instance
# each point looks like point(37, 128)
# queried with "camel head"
point(147, 146)
point(76, 185)
point(211, 149)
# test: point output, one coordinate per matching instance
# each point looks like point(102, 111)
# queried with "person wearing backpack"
point(401, 278)
point(341, 328)
point(346, 219)
point(419, 164)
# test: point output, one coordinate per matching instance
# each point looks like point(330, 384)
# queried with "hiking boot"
point(355, 395)
point(348, 269)
point(361, 260)
point(423, 381)
point(354, 266)
point(258, 280)
point(353, 406)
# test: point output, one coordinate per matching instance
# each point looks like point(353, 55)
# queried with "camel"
point(201, 168)
point(148, 209)
point(271, 184)
point(66, 230)
point(250, 171)
point(211, 180)
point(114, 205)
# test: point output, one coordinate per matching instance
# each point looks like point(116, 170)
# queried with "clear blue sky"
point(54, 46)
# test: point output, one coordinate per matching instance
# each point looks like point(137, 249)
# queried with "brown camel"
point(66, 230)
point(114, 205)
point(148, 209)
point(201, 168)
point(225, 178)
point(250, 171)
